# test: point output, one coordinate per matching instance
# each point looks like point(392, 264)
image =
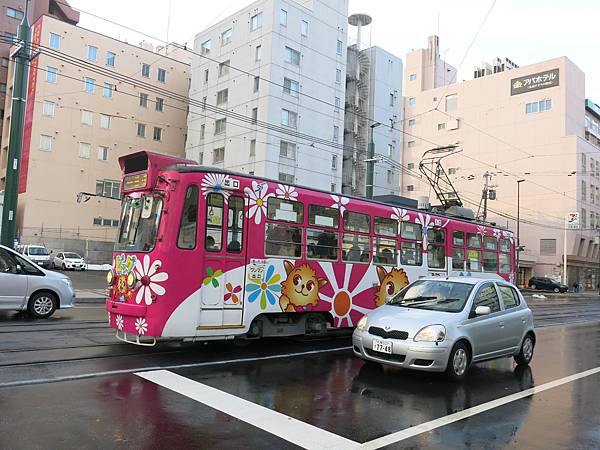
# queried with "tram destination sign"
point(534, 82)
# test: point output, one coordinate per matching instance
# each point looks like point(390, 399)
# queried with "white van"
point(37, 253)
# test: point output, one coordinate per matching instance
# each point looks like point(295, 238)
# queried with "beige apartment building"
point(91, 99)
point(530, 123)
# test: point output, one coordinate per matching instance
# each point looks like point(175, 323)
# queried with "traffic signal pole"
point(17, 119)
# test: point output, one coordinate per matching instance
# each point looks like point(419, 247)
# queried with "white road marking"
point(469, 412)
point(278, 424)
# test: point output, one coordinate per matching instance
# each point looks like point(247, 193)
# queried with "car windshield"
point(38, 251)
point(72, 256)
point(140, 217)
point(442, 295)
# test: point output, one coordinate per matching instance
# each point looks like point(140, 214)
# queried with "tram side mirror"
point(482, 310)
point(147, 207)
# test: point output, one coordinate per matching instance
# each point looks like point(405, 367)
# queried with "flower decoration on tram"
point(482, 230)
point(399, 214)
point(340, 202)
point(141, 325)
point(508, 235)
point(233, 293)
point(497, 233)
point(212, 277)
point(426, 223)
point(286, 192)
point(215, 182)
point(119, 321)
point(257, 200)
point(109, 318)
point(149, 277)
point(265, 289)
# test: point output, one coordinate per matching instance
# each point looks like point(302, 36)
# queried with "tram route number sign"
point(572, 221)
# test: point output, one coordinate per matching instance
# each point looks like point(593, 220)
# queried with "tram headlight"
point(131, 280)
point(110, 277)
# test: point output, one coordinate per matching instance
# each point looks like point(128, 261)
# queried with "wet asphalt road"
point(67, 383)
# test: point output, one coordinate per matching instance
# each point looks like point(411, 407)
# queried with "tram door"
point(225, 246)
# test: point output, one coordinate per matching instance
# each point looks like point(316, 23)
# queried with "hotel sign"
point(537, 81)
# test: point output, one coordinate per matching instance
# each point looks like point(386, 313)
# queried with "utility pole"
point(486, 194)
point(17, 118)
point(518, 229)
point(370, 161)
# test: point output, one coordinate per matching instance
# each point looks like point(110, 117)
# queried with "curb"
point(99, 300)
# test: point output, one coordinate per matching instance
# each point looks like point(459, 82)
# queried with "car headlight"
point(110, 277)
point(67, 281)
point(362, 323)
point(431, 333)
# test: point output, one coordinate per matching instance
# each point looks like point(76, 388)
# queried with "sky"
point(524, 31)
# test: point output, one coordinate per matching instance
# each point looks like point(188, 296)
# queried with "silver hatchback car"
point(446, 324)
point(26, 286)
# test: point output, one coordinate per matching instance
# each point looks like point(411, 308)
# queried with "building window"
point(283, 18)
point(258, 53)
point(157, 135)
point(411, 122)
point(289, 118)
point(256, 22)
point(202, 130)
point(54, 41)
point(583, 162)
point(336, 133)
point(548, 247)
point(286, 177)
point(254, 115)
point(92, 53)
point(51, 74)
point(161, 75)
point(220, 125)
point(540, 106)
point(110, 59)
point(104, 121)
point(545, 105)
point(291, 56)
point(205, 47)
point(412, 77)
point(452, 171)
point(146, 70)
point(45, 143)
point(108, 89)
point(256, 84)
point(583, 191)
point(287, 150)
point(14, 13)
point(218, 155)
point(339, 47)
point(338, 76)
point(391, 99)
point(48, 108)
point(304, 28)
point(85, 150)
point(334, 162)
point(102, 153)
point(390, 149)
point(253, 147)
point(226, 36)
point(224, 68)
point(389, 177)
point(441, 126)
point(108, 188)
point(411, 144)
point(160, 104)
point(583, 218)
point(291, 87)
point(410, 166)
point(222, 96)
point(141, 130)
point(332, 187)
point(410, 188)
point(206, 76)
point(338, 102)
point(412, 101)
point(86, 117)
point(143, 100)
point(451, 102)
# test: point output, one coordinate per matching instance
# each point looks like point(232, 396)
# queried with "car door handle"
point(501, 324)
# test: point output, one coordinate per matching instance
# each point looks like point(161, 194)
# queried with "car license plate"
point(382, 346)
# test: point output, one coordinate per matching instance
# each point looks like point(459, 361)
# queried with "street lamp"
point(370, 160)
point(518, 227)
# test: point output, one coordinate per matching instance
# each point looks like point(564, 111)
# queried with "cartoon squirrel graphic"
point(390, 283)
point(300, 288)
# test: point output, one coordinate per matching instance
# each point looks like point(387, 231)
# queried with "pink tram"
point(203, 253)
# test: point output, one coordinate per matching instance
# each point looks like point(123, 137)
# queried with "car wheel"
point(526, 352)
point(557, 290)
point(42, 305)
point(532, 286)
point(63, 266)
point(458, 362)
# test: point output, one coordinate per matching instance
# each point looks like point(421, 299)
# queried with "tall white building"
point(278, 62)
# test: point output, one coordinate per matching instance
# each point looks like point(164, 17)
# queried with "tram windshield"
point(139, 223)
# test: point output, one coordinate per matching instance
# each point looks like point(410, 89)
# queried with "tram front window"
point(139, 223)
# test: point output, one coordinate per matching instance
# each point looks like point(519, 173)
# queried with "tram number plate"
point(382, 346)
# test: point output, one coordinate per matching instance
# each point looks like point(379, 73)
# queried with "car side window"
point(487, 296)
point(7, 263)
point(509, 297)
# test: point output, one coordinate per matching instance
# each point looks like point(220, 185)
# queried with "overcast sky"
point(524, 31)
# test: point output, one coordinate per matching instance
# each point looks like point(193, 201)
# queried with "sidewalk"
point(586, 295)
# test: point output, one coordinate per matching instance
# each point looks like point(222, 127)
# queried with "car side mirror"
point(482, 310)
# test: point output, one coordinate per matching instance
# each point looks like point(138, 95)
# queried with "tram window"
point(473, 240)
point(435, 236)
point(283, 240)
point(436, 258)
point(385, 251)
point(504, 263)
point(321, 244)
point(323, 216)
point(458, 238)
point(490, 243)
point(235, 224)
point(189, 220)
point(504, 245)
point(354, 221)
point(458, 259)
point(356, 248)
point(214, 222)
point(473, 261)
point(411, 231)
point(285, 210)
point(410, 254)
point(385, 226)
point(490, 261)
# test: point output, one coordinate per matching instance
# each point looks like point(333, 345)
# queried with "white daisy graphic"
point(508, 235)
point(109, 318)
point(141, 325)
point(119, 321)
point(149, 278)
point(286, 192)
point(481, 230)
point(257, 200)
point(215, 182)
point(497, 233)
point(426, 223)
point(399, 214)
point(340, 202)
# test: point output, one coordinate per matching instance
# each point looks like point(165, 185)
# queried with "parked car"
point(68, 260)
point(547, 284)
point(26, 286)
point(446, 324)
point(37, 253)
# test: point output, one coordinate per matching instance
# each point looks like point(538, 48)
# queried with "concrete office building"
point(529, 123)
point(292, 60)
point(79, 121)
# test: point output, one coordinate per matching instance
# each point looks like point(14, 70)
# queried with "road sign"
point(572, 221)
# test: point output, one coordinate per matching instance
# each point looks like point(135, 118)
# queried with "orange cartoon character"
point(301, 287)
point(390, 283)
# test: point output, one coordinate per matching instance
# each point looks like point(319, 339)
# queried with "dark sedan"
point(547, 284)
